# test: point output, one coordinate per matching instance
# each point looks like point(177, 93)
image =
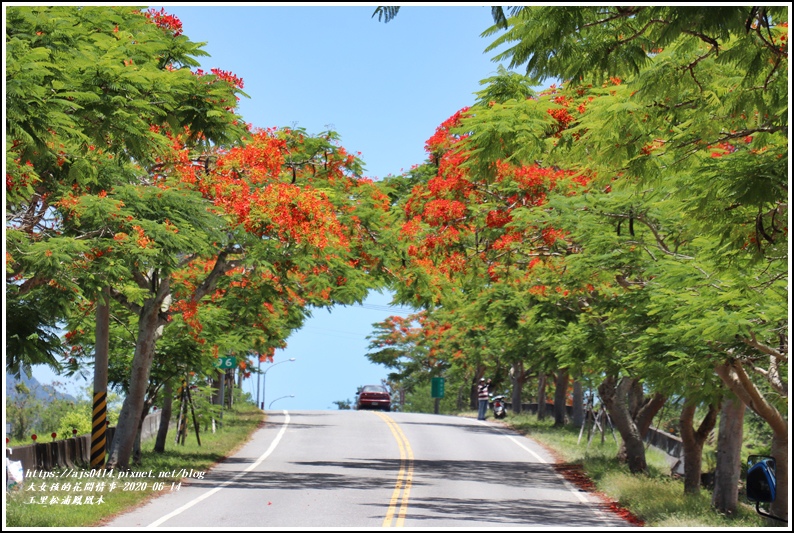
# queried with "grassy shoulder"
point(656, 499)
point(71, 501)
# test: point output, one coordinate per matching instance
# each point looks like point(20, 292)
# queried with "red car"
point(374, 397)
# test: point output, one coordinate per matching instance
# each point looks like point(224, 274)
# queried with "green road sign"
point(437, 388)
point(226, 362)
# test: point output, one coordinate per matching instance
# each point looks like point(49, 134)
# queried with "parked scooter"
point(498, 406)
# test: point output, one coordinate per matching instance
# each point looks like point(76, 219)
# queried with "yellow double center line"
point(404, 476)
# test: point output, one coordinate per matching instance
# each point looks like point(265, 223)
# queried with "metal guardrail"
point(73, 452)
point(666, 442)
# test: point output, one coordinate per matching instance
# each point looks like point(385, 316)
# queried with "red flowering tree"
point(282, 238)
point(694, 142)
point(474, 217)
point(161, 207)
point(91, 96)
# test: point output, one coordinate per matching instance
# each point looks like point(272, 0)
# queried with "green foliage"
point(343, 405)
point(503, 87)
point(22, 410)
point(77, 419)
point(79, 415)
point(31, 330)
point(44, 410)
point(91, 93)
point(621, 41)
point(419, 399)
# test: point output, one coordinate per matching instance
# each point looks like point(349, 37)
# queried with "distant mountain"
point(42, 391)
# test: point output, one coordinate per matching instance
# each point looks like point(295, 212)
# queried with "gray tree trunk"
point(560, 395)
point(216, 389)
point(517, 378)
point(461, 398)
point(779, 507)
point(725, 497)
point(620, 399)
point(137, 452)
point(692, 442)
point(474, 400)
point(578, 404)
point(733, 374)
point(230, 386)
point(541, 396)
point(149, 330)
point(165, 418)
point(641, 410)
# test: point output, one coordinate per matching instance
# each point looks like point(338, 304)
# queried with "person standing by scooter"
point(482, 395)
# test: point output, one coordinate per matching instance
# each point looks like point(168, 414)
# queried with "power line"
point(398, 310)
point(359, 335)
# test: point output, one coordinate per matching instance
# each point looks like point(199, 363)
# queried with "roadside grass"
point(656, 498)
point(24, 507)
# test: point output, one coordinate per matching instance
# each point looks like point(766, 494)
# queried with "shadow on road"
point(367, 474)
point(515, 474)
point(535, 513)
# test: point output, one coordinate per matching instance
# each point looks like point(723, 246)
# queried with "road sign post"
point(437, 388)
point(225, 363)
point(437, 392)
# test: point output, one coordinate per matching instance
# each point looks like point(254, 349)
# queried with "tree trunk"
point(616, 400)
point(474, 399)
point(560, 395)
point(737, 380)
point(517, 378)
point(216, 389)
point(461, 398)
point(127, 427)
point(137, 453)
point(578, 404)
point(641, 410)
point(779, 507)
point(692, 442)
point(165, 418)
point(650, 407)
point(729, 457)
point(230, 386)
point(541, 396)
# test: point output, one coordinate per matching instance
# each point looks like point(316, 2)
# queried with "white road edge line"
point(570, 487)
point(229, 482)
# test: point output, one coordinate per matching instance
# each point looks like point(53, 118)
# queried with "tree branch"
point(753, 342)
point(221, 267)
point(734, 376)
point(121, 299)
point(622, 13)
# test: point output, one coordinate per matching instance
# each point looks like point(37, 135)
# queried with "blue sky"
point(384, 88)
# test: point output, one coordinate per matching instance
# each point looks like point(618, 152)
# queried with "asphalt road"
point(366, 469)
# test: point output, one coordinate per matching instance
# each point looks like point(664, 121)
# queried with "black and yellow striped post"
point(99, 423)
point(98, 430)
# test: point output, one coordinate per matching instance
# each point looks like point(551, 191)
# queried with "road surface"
point(366, 469)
